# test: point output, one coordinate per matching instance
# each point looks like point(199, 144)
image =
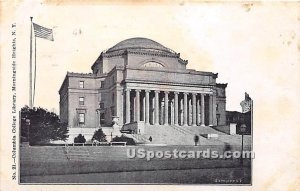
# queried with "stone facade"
point(140, 80)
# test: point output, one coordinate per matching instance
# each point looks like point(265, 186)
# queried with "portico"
point(165, 107)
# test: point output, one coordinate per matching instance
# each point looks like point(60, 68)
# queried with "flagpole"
point(34, 80)
point(30, 67)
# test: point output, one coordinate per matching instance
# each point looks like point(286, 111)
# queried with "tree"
point(42, 126)
point(99, 136)
point(79, 139)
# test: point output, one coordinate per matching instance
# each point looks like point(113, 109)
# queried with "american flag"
point(43, 32)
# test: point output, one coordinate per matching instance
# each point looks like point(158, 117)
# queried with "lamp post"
point(242, 131)
point(28, 125)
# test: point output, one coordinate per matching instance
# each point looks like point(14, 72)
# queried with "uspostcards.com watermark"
point(141, 153)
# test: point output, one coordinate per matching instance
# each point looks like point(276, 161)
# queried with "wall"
point(91, 103)
point(110, 62)
point(64, 101)
point(112, 96)
point(221, 101)
point(187, 77)
point(221, 111)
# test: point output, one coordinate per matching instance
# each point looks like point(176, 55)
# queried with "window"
point(153, 65)
point(81, 118)
point(81, 100)
point(101, 105)
point(81, 84)
point(102, 84)
point(113, 98)
point(217, 108)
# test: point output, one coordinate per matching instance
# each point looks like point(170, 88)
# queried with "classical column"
point(214, 110)
point(172, 111)
point(156, 108)
point(138, 109)
point(185, 112)
point(147, 107)
point(142, 118)
point(161, 111)
point(134, 108)
point(175, 108)
point(152, 113)
point(198, 111)
point(194, 109)
point(189, 111)
point(166, 108)
point(181, 110)
point(127, 105)
point(202, 110)
point(210, 110)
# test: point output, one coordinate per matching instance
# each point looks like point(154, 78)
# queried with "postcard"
point(161, 95)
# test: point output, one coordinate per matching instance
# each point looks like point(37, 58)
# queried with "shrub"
point(129, 141)
point(99, 136)
point(79, 139)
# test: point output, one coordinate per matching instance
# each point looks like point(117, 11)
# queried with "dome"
point(139, 43)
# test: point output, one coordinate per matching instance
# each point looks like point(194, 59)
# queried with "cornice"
point(168, 83)
point(153, 53)
point(140, 52)
point(86, 75)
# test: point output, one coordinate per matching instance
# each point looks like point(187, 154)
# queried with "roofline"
point(137, 51)
point(61, 86)
point(222, 85)
point(160, 46)
point(99, 57)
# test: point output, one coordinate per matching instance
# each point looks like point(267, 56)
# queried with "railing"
point(109, 143)
point(100, 143)
point(95, 144)
point(118, 143)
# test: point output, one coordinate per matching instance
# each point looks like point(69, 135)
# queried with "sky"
point(246, 44)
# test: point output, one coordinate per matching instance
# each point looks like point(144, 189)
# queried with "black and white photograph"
point(140, 93)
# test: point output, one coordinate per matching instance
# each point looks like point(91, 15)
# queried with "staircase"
point(182, 135)
point(167, 135)
point(177, 135)
point(138, 138)
point(198, 130)
point(182, 130)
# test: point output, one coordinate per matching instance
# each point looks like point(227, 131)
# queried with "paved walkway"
point(191, 176)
